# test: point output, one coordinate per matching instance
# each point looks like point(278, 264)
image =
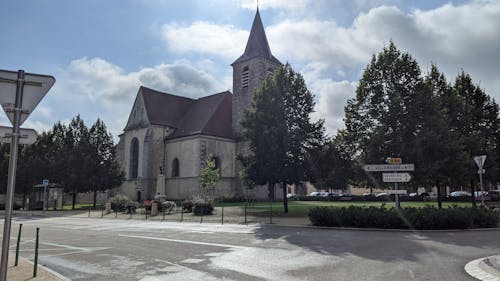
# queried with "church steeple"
point(249, 70)
point(257, 45)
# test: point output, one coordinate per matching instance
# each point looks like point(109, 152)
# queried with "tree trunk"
point(270, 187)
point(95, 198)
point(438, 186)
point(473, 192)
point(285, 199)
point(74, 201)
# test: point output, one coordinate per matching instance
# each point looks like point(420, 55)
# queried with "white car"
point(460, 194)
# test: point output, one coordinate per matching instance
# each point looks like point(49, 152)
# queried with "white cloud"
point(205, 37)
point(275, 4)
point(102, 89)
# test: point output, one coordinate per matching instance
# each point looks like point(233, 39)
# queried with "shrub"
point(428, 217)
point(202, 206)
point(168, 206)
point(187, 206)
point(119, 202)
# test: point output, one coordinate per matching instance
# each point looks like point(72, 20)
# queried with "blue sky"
point(101, 51)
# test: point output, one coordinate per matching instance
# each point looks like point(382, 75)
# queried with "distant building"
point(168, 137)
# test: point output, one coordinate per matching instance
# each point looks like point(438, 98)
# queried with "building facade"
point(168, 138)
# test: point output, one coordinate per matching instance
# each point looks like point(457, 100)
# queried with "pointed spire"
point(257, 45)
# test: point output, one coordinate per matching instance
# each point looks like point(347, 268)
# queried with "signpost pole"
point(482, 188)
point(11, 181)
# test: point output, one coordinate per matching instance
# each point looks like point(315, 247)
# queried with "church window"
point(175, 167)
point(217, 162)
point(244, 77)
point(134, 158)
point(270, 71)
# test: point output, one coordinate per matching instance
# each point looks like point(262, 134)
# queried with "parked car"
point(292, 196)
point(478, 194)
point(314, 194)
point(494, 194)
point(382, 194)
point(460, 194)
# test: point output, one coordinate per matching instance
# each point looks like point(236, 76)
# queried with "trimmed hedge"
point(428, 217)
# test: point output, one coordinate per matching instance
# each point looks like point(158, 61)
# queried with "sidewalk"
point(24, 271)
point(487, 268)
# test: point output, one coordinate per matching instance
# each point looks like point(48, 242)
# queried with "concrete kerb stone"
point(24, 271)
point(482, 270)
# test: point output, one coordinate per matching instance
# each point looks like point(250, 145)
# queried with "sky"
point(101, 51)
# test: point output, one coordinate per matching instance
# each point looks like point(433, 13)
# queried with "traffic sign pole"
point(482, 188)
point(11, 181)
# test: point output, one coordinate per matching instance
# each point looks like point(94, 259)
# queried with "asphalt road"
point(106, 249)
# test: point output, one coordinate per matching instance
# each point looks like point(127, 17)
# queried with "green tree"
point(209, 178)
point(105, 171)
point(280, 133)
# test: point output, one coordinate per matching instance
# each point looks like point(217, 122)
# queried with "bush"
point(202, 206)
point(187, 206)
point(119, 202)
point(428, 217)
point(167, 206)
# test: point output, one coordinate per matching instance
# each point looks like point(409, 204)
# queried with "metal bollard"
point(246, 222)
point(35, 264)
point(163, 210)
point(116, 212)
point(271, 214)
point(102, 211)
point(222, 214)
point(201, 219)
point(182, 213)
point(146, 212)
point(17, 245)
point(89, 211)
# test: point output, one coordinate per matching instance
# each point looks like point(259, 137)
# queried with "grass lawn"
point(301, 208)
point(81, 207)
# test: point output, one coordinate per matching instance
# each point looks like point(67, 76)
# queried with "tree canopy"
point(279, 131)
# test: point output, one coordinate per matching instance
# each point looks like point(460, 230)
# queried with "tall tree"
point(105, 171)
point(279, 131)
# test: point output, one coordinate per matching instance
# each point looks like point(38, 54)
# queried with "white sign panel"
point(396, 177)
point(26, 136)
point(480, 161)
point(387, 167)
point(399, 191)
point(35, 88)
point(45, 183)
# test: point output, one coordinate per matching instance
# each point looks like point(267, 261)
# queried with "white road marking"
point(185, 241)
point(192, 261)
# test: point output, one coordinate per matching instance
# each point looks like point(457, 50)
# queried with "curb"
point(474, 270)
point(56, 274)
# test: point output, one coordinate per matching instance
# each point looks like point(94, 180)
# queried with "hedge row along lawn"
point(428, 217)
point(301, 208)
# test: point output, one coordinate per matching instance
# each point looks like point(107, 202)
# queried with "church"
point(168, 137)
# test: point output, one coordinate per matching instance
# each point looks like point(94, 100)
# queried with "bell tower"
point(250, 70)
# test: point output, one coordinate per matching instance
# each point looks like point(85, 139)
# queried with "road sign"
point(45, 183)
point(393, 161)
point(26, 136)
point(35, 88)
point(396, 177)
point(388, 167)
point(480, 160)
point(20, 93)
point(399, 192)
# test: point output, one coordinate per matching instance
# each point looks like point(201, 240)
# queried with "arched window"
point(175, 167)
point(134, 158)
point(244, 77)
point(270, 71)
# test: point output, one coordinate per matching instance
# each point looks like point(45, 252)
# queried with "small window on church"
point(216, 162)
point(175, 167)
point(244, 77)
point(270, 71)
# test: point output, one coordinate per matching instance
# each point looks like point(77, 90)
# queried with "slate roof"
point(257, 45)
point(210, 115)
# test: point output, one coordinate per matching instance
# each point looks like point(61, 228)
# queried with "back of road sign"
point(35, 88)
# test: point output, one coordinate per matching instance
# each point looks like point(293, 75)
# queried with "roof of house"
point(210, 115)
point(257, 45)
